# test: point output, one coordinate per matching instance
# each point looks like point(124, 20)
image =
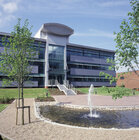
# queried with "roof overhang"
point(57, 29)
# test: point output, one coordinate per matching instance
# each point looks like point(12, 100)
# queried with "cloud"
point(113, 3)
point(126, 69)
point(95, 33)
point(76, 8)
point(5, 20)
point(8, 9)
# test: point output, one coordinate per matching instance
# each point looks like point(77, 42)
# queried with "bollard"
point(46, 94)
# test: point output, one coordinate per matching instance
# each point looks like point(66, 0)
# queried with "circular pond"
point(80, 117)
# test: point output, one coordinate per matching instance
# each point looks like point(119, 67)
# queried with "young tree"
point(14, 60)
point(127, 48)
point(127, 40)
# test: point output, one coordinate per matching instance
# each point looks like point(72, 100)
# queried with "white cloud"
point(77, 8)
point(96, 33)
point(10, 7)
point(126, 69)
point(113, 3)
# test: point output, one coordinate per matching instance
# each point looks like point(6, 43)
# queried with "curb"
point(3, 135)
point(39, 116)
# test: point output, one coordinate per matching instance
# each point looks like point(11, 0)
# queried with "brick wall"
point(130, 80)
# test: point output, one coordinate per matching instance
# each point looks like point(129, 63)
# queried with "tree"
point(16, 56)
point(127, 40)
point(127, 45)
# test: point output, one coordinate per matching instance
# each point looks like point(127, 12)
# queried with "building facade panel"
point(34, 69)
point(26, 84)
point(85, 59)
point(86, 72)
point(59, 60)
point(31, 84)
point(97, 84)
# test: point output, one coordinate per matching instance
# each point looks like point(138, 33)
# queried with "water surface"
point(80, 117)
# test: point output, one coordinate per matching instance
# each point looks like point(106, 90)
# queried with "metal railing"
point(67, 88)
point(70, 87)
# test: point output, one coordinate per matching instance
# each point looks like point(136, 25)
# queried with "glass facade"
point(80, 67)
point(89, 53)
point(88, 66)
point(56, 63)
point(37, 64)
point(87, 79)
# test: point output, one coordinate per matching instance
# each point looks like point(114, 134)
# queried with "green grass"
point(41, 92)
point(3, 106)
point(109, 91)
point(28, 93)
point(83, 90)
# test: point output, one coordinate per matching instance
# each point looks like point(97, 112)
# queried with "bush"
point(122, 85)
point(6, 100)
point(120, 92)
point(44, 99)
point(79, 92)
point(105, 89)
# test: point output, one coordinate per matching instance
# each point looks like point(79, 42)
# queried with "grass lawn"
point(3, 106)
point(28, 93)
point(41, 92)
point(109, 91)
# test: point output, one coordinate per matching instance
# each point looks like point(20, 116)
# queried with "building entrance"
point(53, 79)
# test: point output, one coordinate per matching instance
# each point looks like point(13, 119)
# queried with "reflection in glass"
point(56, 63)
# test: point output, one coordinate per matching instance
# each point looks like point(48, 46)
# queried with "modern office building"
point(59, 60)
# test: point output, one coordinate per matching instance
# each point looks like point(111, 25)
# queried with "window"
point(122, 78)
point(82, 52)
point(106, 55)
point(56, 59)
point(88, 66)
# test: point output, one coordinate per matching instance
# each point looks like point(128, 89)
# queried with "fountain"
point(95, 115)
point(77, 116)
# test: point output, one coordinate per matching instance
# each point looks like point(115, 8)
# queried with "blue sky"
point(93, 21)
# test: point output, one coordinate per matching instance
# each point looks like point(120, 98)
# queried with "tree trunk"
point(19, 95)
point(22, 105)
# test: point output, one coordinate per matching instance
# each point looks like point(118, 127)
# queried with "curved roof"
point(57, 29)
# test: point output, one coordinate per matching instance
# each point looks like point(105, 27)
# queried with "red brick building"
point(129, 80)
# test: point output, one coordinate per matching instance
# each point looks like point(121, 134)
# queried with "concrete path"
point(98, 100)
point(39, 130)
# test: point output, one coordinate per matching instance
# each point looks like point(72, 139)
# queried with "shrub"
point(105, 89)
point(44, 99)
point(122, 85)
point(6, 100)
point(120, 92)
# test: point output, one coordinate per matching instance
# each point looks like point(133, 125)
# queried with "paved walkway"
point(39, 130)
point(98, 100)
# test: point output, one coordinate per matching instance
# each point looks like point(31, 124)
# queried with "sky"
point(93, 21)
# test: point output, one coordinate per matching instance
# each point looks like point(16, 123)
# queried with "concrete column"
point(65, 63)
point(46, 65)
